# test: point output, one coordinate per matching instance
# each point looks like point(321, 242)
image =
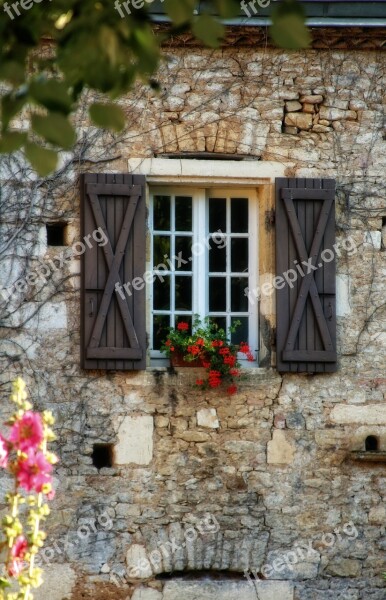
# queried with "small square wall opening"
point(56, 234)
point(103, 456)
point(372, 444)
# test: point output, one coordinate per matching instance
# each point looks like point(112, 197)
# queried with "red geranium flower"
point(234, 372)
point(199, 382)
point(183, 326)
point(232, 390)
point(224, 351)
point(194, 350)
point(214, 378)
point(230, 360)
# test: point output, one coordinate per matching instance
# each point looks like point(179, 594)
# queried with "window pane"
point(161, 293)
point(217, 294)
point(217, 214)
point(161, 215)
point(239, 215)
point(183, 291)
point(160, 330)
point(217, 259)
point(239, 301)
point(239, 255)
point(161, 246)
point(183, 213)
point(221, 322)
point(183, 245)
point(241, 333)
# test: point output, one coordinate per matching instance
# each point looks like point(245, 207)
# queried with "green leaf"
point(289, 29)
point(108, 116)
point(54, 128)
point(180, 11)
point(11, 104)
point(228, 8)
point(12, 141)
point(51, 94)
point(12, 71)
point(4, 582)
point(44, 161)
point(209, 30)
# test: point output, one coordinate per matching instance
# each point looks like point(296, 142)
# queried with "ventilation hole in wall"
point(371, 444)
point(103, 456)
point(56, 234)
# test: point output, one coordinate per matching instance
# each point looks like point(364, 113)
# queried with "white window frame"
point(200, 261)
point(256, 174)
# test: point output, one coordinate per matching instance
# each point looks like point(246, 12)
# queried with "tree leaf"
point(51, 94)
point(108, 116)
point(289, 29)
point(12, 71)
point(54, 128)
point(44, 161)
point(10, 106)
point(181, 11)
point(12, 141)
point(209, 30)
point(228, 8)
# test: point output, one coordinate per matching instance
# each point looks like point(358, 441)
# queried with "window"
point(204, 256)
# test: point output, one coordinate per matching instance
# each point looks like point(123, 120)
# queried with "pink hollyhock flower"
point(3, 452)
point(27, 432)
point(34, 471)
point(18, 551)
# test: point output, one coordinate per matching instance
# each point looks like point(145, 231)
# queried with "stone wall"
point(207, 489)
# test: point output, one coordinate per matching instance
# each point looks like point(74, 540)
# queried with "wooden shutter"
point(113, 323)
point(306, 310)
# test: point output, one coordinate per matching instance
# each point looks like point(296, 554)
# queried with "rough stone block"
point(309, 108)
point(207, 417)
point(343, 307)
point(317, 99)
point(279, 450)
point(228, 590)
point(144, 593)
point(372, 414)
point(300, 120)
point(293, 106)
point(321, 128)
point(137, 562)
point(373, 239)
point(346, 567)
point(377, 515)
point(135, 441)
point(58, 584)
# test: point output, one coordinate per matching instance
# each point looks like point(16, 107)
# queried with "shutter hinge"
point(270, 218)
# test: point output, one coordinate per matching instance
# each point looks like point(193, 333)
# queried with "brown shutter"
point(113, 322)
point(306, 314)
